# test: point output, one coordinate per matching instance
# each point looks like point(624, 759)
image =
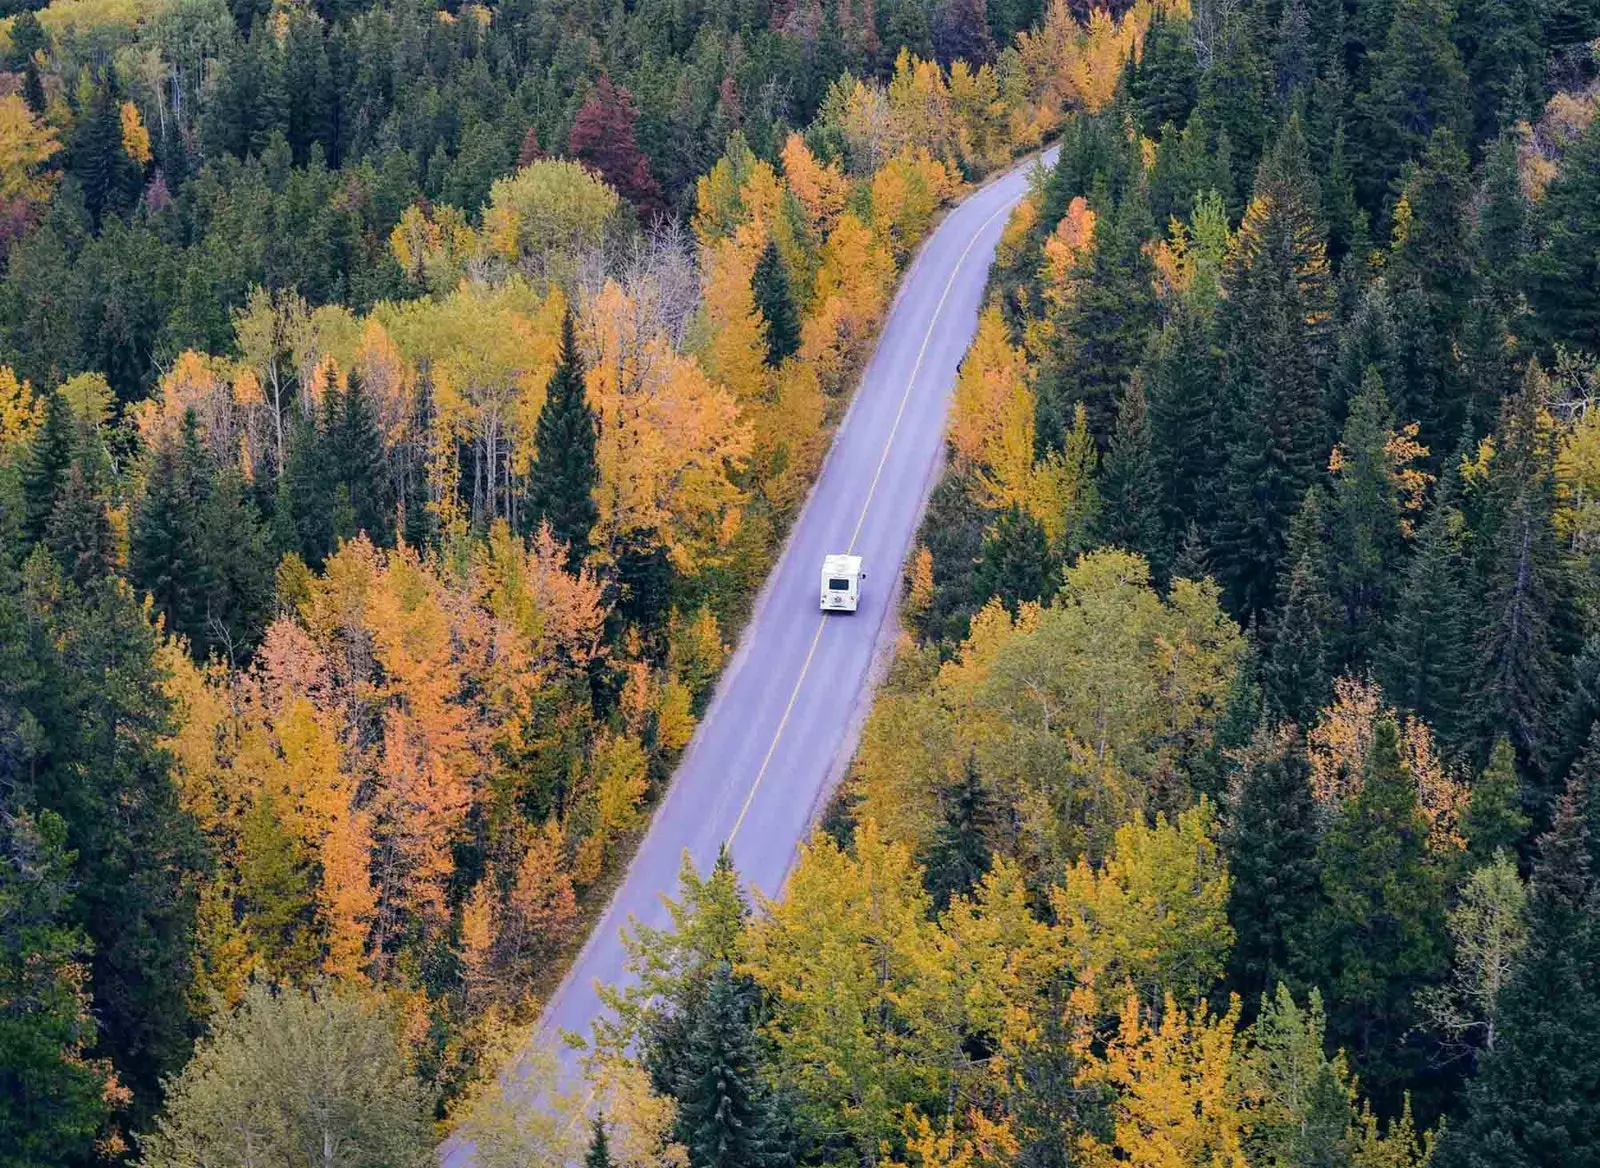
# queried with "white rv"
point(841, 583)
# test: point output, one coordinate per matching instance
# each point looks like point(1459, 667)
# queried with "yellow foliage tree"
point(27, 147)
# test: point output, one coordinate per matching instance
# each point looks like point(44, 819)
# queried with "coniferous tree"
point(1186, 418)
point(603, 135)
point(959, 854)
point(775, 301)
point(1236, 90)
point(353, 451)
point(1378, 934)
point(79, 533)
point(1302, 645)
point(33, 87)
point(165, 558)
point(1501, 44)
point(1015, 563)
point(49, 462)
point(1518, 660)
point(1494, 818)
point(107, 175)
point(1502, 236)
point(1271, 844)
point(1366, 537)
point(1276, 322)
point(1130, 488)
point(1163, 79)
point(1416, 86)
point(237, 567)
point(726, 1118)
point(599, 1153)
point(1563, 274)
point(561, 484)
point(1536, 1100)
point(1424, 659)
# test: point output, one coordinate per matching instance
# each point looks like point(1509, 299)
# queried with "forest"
point(400, 407)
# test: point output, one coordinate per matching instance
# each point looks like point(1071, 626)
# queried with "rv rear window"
point(838, 584)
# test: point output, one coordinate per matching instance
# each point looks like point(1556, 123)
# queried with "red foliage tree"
point(603, 138)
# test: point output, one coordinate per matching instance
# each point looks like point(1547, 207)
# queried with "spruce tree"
point(49, 461)
point(1502, 236)
point(1276, 323)
point(79, 533)
point(1518, 661)
point(959, 855)
point(1416, 86)
point(774, 299)
point(599, 1153)
point(1494, 818)
point(1536, 1100)
point(726, 1119)
point(108, 177)
point(1162, 80)
point(1186, 416)
point(1378, 935)
point(165, 558)
point(238, 567)
point(561, 483)
point(1366, 536)
point(1271, 843)
point(1130, 487)
point(353, 450)
point(1564, 274)
point(1015, 564)
point(1425, 657)
point(1302, 635)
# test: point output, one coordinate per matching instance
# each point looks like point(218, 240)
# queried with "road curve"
point(784, 718)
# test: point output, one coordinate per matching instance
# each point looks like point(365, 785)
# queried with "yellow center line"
point(861, 519)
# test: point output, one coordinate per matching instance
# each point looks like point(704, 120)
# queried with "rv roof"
point(841, 565)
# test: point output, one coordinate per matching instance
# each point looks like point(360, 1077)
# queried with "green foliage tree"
point(44, 474)
point(289, 1074)
point(726, 1117)
point(1302, 641)
point(561, 484)
point(1561, 273)
point(1015, 563)
point(1494, 819)
point(1130, 488)
point(599, 1153)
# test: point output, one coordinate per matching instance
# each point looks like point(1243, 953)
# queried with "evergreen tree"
point(775, 301)
point(237, 566)
point(49, 462)
point(33, 87)
point(1378, 935)
point(1302, 642)
point(1130, 489)
point(1536, 1100)
point(1518, 660)
point(1276, 323)
point(1424, 659)
point(1502, 44)
point(1015, 564)
point(599, 1153)
point(1236, 89)
point(1494, 818)
point(561, 484)
point(1416, 86)
point(1366, 536)
point(52, 1099)
point(1186, 417)
point(107, 176)
point(1271, 843)
point(1564, 274)
point(958, 856)
point(165, 558)
point(353, 450)
point(79, 533)
point(1502, 238)
point(1163, 80)
point(726, 1119)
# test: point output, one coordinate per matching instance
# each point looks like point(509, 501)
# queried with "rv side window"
point(838, 584)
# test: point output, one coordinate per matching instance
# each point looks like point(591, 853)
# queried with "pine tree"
point(165, 558)
point(1416, 86)
point(33, 87)
point(1366, 539)
point(1518, 662)
point(353, 449)
point(1185, 409)
point(1236, 90)
point(1563, 282)
point(107, 176)
point(725, 1117)
point(1015, 564)
point(1536, 1100)
point(959, 854)
point(1301, 638)
point(1271, 845)
point(1378, 935)
point(1494, 817)
point(49, 462)
point(770, 285)
point(1424, 659)
point(79, 533)
point(1163, 79)
point(1502, 238)
point(599, 1153)
point(237, 565)
point(1130, 489)
point(1502, 45)
point(1277, 320)
point(561, 483)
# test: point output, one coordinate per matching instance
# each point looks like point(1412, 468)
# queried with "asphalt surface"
point(784, 720)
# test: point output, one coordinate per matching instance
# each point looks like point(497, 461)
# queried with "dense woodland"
point(401, 406)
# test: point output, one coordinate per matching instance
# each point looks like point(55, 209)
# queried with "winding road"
point(786, 714)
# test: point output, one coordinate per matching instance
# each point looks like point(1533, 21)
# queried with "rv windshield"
point(838, 584)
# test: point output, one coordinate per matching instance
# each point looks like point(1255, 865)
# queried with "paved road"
point(784, 719)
